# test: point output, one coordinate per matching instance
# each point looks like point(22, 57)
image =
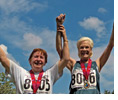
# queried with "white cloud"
point(108, 68)
point(107, 72)
point(13, 24)
point(102, 10)
point(29, 41)
point(97, 51)
point(16, 6)
point(14, 29)
point(17, 31)
point(49, 39)
point(73, 49)
point(4, 48)
point(93, 23)
point(8, 55)
point(38, 39)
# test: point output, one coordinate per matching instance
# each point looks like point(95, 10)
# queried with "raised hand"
point(61, 29)
point(60, 33)
point(60, 19)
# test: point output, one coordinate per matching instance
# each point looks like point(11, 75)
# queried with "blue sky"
point(28, 24)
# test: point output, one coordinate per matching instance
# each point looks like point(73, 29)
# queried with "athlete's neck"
point(37, 71)
point(84, 60)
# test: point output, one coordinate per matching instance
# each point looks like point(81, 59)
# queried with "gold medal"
point(86, 84)
point(86, 72)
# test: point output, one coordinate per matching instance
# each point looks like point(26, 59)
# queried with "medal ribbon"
point(86, 72)
point(36, 84)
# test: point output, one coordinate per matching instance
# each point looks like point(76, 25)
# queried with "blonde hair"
point(85, 39)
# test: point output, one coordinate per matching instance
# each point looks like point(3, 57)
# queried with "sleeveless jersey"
point(77, 80)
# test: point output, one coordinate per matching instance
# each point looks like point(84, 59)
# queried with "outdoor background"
point(29, 24)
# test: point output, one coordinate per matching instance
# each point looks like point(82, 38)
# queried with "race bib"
point(78, 79)
point(43, 88)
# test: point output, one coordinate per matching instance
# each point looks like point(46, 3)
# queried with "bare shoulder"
point(71, 64)
point(73, 61)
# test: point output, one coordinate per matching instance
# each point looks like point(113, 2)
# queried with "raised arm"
point(59, 44)
point(59, 20)
point(4, 60)
point(65, 50)
point(104, 57)
point(62, 49)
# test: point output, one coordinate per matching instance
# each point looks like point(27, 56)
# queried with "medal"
point(86, 72)
point(35, 83)
point(86, 84)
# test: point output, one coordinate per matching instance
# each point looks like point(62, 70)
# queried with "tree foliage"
point(6, 86)
point(108, 92)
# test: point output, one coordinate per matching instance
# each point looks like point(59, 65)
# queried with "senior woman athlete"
point(85, 73)
point(36, 80)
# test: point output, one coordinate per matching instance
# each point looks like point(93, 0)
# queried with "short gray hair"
point(85, 39)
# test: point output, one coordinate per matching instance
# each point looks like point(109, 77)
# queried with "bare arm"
point(71, 64)
point(104, 57)
point(4, 60)
point(59, 44)
point(65, 50)
point(60, 19)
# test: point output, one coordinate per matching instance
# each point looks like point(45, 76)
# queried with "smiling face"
point(37, 61)
point(85, 50)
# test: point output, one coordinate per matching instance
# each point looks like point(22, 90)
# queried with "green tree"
point(108, 92)
point(6, 86)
